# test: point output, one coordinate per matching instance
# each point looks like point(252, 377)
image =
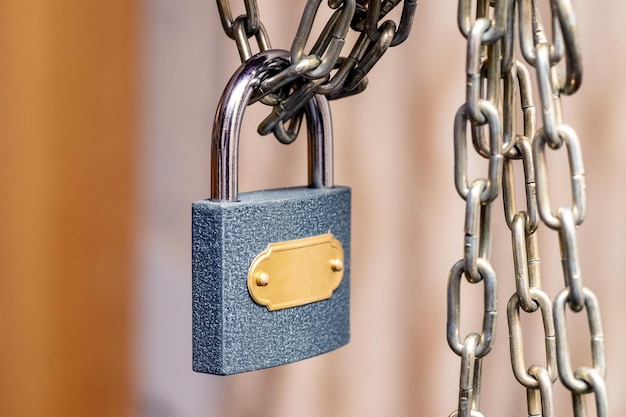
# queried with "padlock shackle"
point(227, 127)
point(320, 142)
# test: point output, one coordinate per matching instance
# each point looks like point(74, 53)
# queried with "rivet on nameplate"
point(296, 272)
point(262, 279)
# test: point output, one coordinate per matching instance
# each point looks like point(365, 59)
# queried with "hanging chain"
point(496, 83)
point(322, 70)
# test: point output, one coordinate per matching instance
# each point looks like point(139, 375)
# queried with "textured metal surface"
point(231, 333)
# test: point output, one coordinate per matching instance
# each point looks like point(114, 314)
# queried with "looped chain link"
point(251, 18)
point(577, 175)
point(322, 70)
point(494, 179)
point(488, 277)
point(469, 382)
point(377, 10)
point(542, 301)
point(496, 83)
point(540, 399)
point(334, 37)
point(575, 384)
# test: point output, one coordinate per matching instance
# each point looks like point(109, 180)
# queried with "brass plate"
point(297, 272)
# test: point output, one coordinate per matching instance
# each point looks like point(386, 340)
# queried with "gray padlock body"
point(233, 334)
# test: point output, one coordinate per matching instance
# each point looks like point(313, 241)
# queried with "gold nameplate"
point(297, 272)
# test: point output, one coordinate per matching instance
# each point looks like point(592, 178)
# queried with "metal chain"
point(322, 70)
point(496, 83)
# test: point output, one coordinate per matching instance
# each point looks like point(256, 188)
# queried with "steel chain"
point(496, 81)
point(322, 70)
point(499, 88)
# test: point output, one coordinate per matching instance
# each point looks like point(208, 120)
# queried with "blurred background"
point(106, 110)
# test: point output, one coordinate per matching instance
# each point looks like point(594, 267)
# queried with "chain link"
point(496, 83)
point(251, 18)
point(322, 70)
point(488, 276)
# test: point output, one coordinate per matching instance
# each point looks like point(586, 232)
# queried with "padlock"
point(271, 268)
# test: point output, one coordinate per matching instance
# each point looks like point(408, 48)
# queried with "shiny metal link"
point(524, 278)
point(242, 39)
point(524, 150)
point(493, 74)
point(517, 75)
point(288, 107)
point(565, 41)
point(508, 40)
point(454, 307)
point(288, 134)
point(495, 32)
point(509, 109)
point(350, 77)
point(469, 383)
point(541, 399)
point(473, 228)
point(477, 240)
point(406, 22)
point(285, 77)
point(526, 99)
point(352, 70)
point(330, 53)
point(491, 78)
point(568, 377)
point(548, 94)
point(251, 18)
point(345, 65)
point(342, 93)
point(375, 12)
point(494, 178)
point(570, 260)
point(533, 400)
point(311, 62)
point(544, 304)
point(532, 33)
point(596, 381)
point(372, 53)
point(573, 54)
point(577, 175)
point(474, 69)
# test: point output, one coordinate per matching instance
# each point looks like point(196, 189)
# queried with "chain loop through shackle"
point(495, 80)
point(309, 74)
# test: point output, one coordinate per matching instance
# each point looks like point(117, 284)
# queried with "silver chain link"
point(322, 70)
point(496, 82)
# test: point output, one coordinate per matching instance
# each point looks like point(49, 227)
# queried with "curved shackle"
point(227, 127)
